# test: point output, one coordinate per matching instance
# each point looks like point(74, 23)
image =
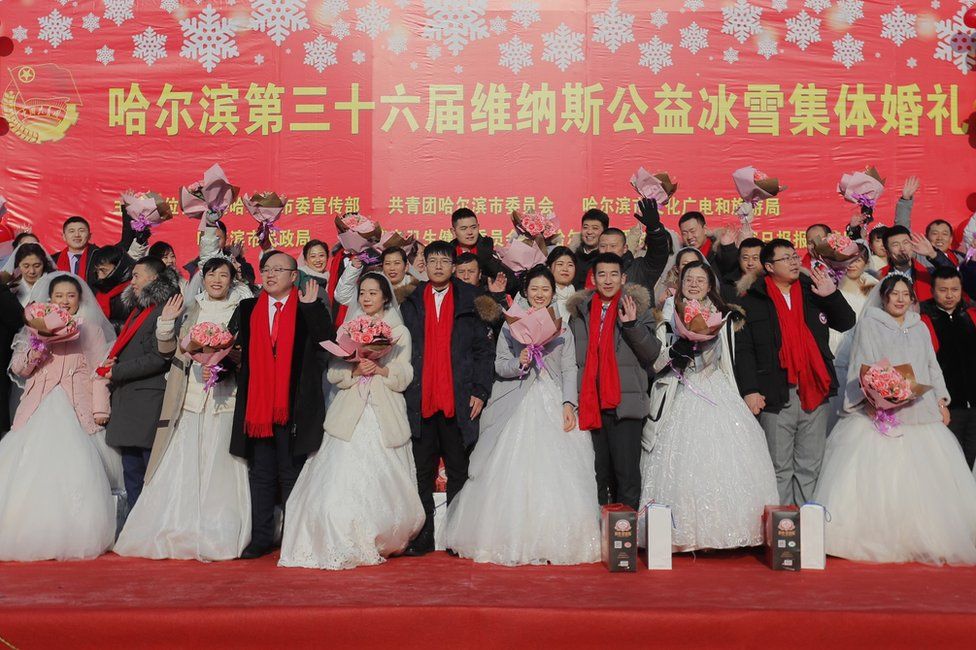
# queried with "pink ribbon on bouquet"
point(37, 345)
point(884, 421)
point(215, 371)
point(535, 355)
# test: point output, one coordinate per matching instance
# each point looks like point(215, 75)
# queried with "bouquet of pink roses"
point(836, 250)
point(754, 187)
point(658, 187)
point(358, 234)
point(887, 388)
point(533, 225)
point(695, 321)
point(210, 197)
point(533, 327)
point(266, 208)
point(863, 188)
point(363, 337)
point(208, 343)
point(49, 323)
point(147, 210)
point(529, 245)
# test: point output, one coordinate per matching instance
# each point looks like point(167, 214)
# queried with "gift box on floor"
point(618, 534)
point(440, 519)
point(812, 518)
point(782, 533)
point(658, 524)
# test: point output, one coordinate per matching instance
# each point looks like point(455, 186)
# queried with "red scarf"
point(601, 378)
point(269, 387)
point(132, 325)
point(437, 389)
point(104, 298)
point(921, 280)
point(461, 250)
point(64, 262)
point(335, 270)
point(706, 248)
point(798, 354)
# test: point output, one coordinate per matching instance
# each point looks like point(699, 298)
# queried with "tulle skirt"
point(711, 465)
point(55, 498)
point(904, 497)
point(531, 497)
point(355, 503)
point(197, 505)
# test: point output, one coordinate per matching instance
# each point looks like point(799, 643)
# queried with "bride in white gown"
point(705, 454)
point(356, 502)
point(55, 470)
point(531, 496)
point(906, 495)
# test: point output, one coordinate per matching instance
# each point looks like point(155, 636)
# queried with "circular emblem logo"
point(823, 318)
point(622, 525)
point(786, 525)
point(40, 103)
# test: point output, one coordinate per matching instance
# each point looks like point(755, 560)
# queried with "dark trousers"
point(963, 424)
point(272, 466)
point(617, 445)
point(439, 437)
point(135, 460)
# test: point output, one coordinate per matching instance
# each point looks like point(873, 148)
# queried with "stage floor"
point(727, 599)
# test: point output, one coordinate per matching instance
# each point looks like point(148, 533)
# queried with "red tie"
point(274, 324)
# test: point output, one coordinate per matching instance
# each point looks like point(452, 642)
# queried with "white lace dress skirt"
point(355, 503)
point(907, 496)
point(55, 499)
point(531, 495)
point(711, 465)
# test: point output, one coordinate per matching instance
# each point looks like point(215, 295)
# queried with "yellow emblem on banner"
point(40, 102)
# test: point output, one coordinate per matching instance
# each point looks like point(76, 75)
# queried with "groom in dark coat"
point(280, 406)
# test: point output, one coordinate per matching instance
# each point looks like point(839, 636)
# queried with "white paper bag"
point(812, 553)
point(658, 524)
point(440, 519)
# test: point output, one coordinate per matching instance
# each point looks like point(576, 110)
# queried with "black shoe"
point(421, 545)
point(252, 552)
point(452, 552)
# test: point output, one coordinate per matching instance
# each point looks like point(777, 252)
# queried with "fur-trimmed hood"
point(488, 309)
point(165, 286)
point(401, 292)
point(576, 302)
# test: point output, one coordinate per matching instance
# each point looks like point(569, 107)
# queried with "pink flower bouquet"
point(863, 188)
point(362, 338)
point(696, 322)
point(887, 388)
point(533, 226)
point(266, 208)
point(520, 256)
point(210, 197)
point(208, 343)
point(533, 328)
point(753, 186)
point(49, 323)
point(393, 239)
point(658, 187)
point(146, 209)
point(357, 233)
point(836, 250)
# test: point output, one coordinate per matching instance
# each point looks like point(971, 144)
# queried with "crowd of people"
point(334, 458)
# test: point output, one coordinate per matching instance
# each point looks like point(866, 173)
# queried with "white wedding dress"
point(710, 462)
point(354, 503)
point(55, 499)
point(531, 495)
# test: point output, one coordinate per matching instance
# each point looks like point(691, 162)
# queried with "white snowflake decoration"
point(779, 5)
point(402, 4)
point(459, 68)
point(525, 13)
point(397, 43)
point(414, 65)
point(659, 18)
point(562, 47)
point(433, 51)
point(118, 11)
point(693, 5)
point(372, 19)
point(91, 22)
point(803, 29)
point(911, 61)
point(28, 50)
point(613, 28)
point(767, 47)
point(19, 33)
point(731, 55)
point(105, 55)
point(359, 57)
point(278, 18)
point(899, 26)
point(169, 6)
point(817, 5)
point(258, 59)
point(455, 22)
point(320, 53)
point(655, 54)
point(951, 33)
point(332, 8)
point(935, 5)
point(208, 38)
point(340, 29)
point(150, 46)
point(498, 25)
point(741, 20)
point(515, 55)
point(848, 51)
point(694, 38)
point(850, 11)
point(55, 28)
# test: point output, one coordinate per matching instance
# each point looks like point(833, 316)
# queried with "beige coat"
point(385, 394)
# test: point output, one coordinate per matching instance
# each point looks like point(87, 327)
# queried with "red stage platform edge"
point(727, 600)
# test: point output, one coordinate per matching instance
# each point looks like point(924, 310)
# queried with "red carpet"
point(726, 599)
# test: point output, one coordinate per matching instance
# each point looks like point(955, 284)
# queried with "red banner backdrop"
point(408, 109)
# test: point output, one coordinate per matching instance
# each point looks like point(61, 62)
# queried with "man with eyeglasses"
point(784, 367)
point(280, 405)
